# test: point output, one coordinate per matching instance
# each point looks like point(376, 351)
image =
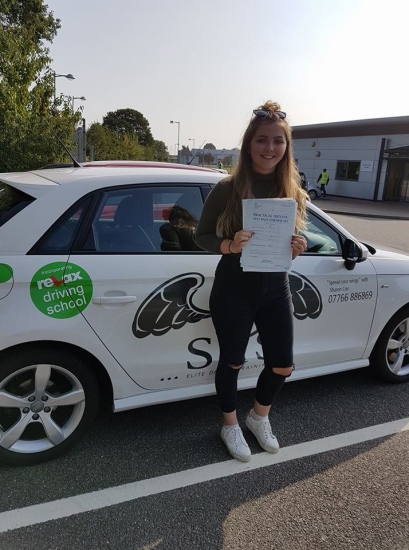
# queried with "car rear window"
point(12, 201)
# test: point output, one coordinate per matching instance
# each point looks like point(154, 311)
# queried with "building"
point(366, 159)
point(210, 157)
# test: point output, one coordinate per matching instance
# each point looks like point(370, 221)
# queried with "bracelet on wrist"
point(230, 250)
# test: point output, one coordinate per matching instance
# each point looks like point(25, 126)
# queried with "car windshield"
point(12, 201)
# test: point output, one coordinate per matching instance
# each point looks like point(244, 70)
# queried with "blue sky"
point(208, 63)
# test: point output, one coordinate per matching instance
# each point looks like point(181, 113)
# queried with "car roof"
point(149, 164)
point(136, 164)
point(36, 182)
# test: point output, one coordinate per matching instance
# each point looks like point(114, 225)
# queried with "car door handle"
point(113, 299)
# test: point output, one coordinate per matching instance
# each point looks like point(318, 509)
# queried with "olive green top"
point(263, 186)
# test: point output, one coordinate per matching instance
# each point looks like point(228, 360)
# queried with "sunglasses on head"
point(261, 113)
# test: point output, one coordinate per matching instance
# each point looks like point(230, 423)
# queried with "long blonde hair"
point(286, 176)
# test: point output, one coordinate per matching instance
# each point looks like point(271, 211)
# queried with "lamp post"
point(192, 139)
point(69, 76)
point(82, 98)
point(178, 123)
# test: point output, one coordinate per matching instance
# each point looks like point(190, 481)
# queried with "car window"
point(321, 237)
point(155, 219)
point(12, 201)
point(62, 235)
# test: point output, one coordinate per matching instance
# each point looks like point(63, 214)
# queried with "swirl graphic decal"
point(170, 306)
point(307, 300)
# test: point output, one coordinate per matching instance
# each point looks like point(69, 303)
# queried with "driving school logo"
point(61, 290)
point(170, 306)
point(6, 280)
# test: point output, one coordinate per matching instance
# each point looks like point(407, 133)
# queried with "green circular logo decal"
point(61, 290)
point(6, 280)
point(6, 273)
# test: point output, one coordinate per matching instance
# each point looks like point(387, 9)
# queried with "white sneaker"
point(236, 444)
point(262, 430)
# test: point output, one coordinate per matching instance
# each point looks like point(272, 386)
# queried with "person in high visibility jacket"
point(323, 180)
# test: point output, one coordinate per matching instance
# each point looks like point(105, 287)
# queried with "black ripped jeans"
point(237, 301)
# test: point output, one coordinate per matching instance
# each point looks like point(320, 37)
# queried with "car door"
point(333, 307)
point(150, 293)
point(52, 289)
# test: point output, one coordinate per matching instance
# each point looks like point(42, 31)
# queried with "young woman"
point(240, 299)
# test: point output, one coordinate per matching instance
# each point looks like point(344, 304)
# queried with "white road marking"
point(40, 513)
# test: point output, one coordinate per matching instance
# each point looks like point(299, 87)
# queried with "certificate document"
point(272, 222)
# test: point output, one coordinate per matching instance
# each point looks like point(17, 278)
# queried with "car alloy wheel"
point(45, 405)
point(312, 194)
point(397, 353)
point(390, 356)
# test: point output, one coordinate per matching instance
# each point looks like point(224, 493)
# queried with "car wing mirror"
point(370, 248)
point(353, 253)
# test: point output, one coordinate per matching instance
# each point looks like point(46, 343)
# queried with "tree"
point(159, 151)
point(29, 118)
point(209, 146)
point(228, 160)
point(102, 141)
point(32, 142)
point(208, 158)
point(132, 121)
point(26, 26)
point(109, 145)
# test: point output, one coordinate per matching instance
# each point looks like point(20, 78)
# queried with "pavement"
point(365, 208)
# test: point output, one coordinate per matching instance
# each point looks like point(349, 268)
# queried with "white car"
point(97, 306)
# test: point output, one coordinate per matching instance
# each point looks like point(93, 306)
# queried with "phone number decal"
point(351, 297)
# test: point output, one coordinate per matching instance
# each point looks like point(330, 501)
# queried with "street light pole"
point(192, 139)
point(178, 123)
point(82, 98)
point(69, 76)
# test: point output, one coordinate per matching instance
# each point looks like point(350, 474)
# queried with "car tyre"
point(389, 359)
point(312, 194)
point(49, 399)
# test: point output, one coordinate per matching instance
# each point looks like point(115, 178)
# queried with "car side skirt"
point(203, 390)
